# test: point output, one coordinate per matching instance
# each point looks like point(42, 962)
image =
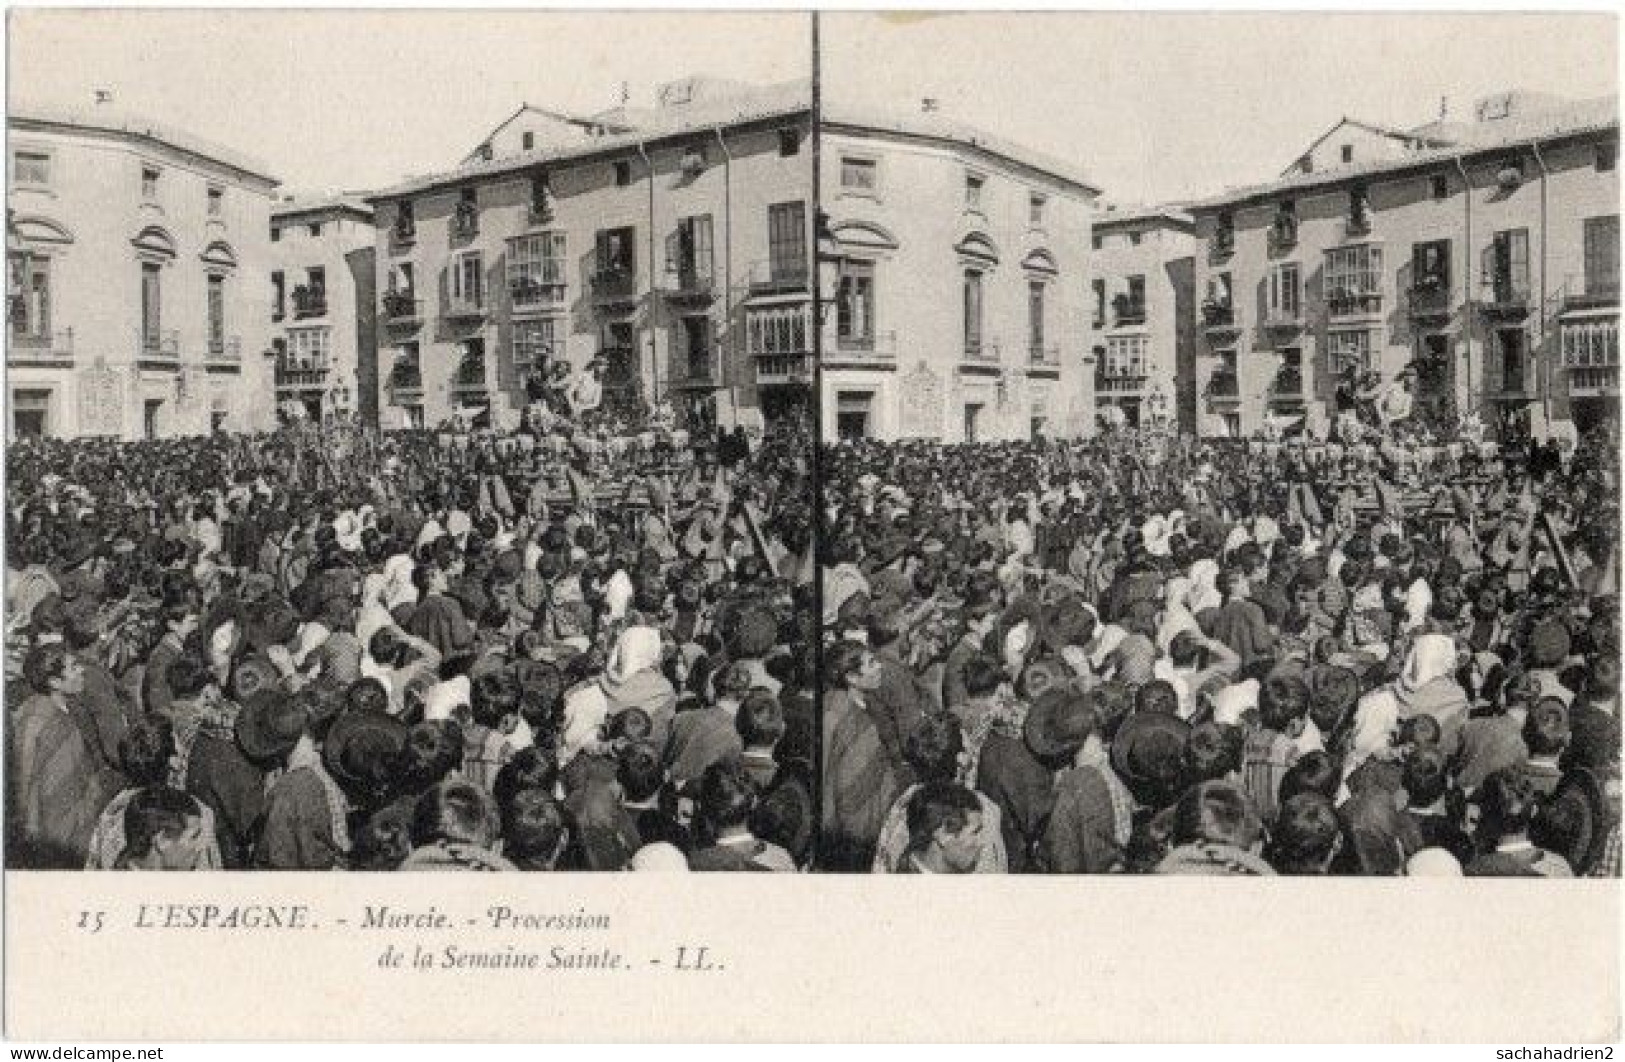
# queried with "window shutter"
point(674, 249)
point(702, 246)
point(1519, 259)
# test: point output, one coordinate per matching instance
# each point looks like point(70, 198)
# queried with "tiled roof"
point(137, 126)
point(288, 205)
point(1586, 116)
point(1120, 214)
point(774, 101)
point(936, 126)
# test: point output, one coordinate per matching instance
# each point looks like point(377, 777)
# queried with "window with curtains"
point(973, 311)
point(31, 312)
point(533, 343)
point(537, 271)
point(1602, 256)
point(1506, 266)
point(855, 304)
point(689, 253)
point(787, 241)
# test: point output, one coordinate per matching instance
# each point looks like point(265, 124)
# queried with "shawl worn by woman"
point(1428, 687)
point(632, 679)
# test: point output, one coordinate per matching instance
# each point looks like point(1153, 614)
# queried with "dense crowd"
point(331, 649)
point(1145, 654)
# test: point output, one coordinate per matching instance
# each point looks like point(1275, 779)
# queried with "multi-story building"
point(956, 287)
point(672, 242)
point(136, 279)
point(1482, 254)
point(322, 305)
point(1142, 316)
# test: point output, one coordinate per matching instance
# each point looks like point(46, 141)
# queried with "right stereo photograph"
point(1218, 459)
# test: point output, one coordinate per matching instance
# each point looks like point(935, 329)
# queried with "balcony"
point(1590, 353)
point(1284, 231)
point(1219, 317)
point(779, 369)
point(1224, 388)
point(1040, 356)
point(1582, 293)
point(308, 303)
point(466, 306)
point(1120, 383)
point(695, 370)
point(615, 290)
point(980, 357)
point(470, 382)
point(302, 377)
point(1126, 313)
point(778, 278)
point(875, 351)
point(532, 296)
point(405, 384)
point(401, 309)
point(1430, 299)
point(690, 285)
point(46, 348)
point(1282, 318)
point(1224, 242)
point(1287, 388)
point(1343, 302)
point(160, 348)
point(1506, 295)
point(465, 223)
point(225, 350)
point(403, 234)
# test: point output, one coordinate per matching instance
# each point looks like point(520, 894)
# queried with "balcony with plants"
point(402, 308)
point(1429, 297)
point(309, 301)
point(615, 287)
point(1127, 311)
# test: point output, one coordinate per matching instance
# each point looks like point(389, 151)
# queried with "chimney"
point(1444, 107)
point(929, 105)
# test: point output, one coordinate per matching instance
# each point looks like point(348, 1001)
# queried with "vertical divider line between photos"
point(815, 410)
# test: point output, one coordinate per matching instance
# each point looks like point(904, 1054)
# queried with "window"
point(278, 295)
point(1591, 344)
point(541, 196)
point(1130, 304)
point(1216, 308)
point(276, 234)
point(1430, 270)
point(697, 346)
point(465, 219)
point(1099, 287)
point(467, 280)
point(1346, 349)
point(527, 141)
point(1285, 292)
point(1506, 266)
point(855, 304)
point(308, 348)
point(860, 176)
point(31, 168)
point(533, 344)
point(1125, 357)
point(315, 228)
point(973, 191)
point(623, 174)
point(217, 197)
point(1348, 152)
point(149, 182)
point(1513, 347)
point(217, 313)
point(1441, 186)
point(1097, 241)
point(789, 142)
point(973, 311)
point(1353, 279)
point(615, 252)
point(787, 240)
point(1035, 319)
point(1035, 210)
point(1134, 239)
point(403, 279)
point(405, 223)
point(31, 313)
point(1602, 255)
point(537, 270)
point(1607, 157)
point(689, 253)
point(151, 305)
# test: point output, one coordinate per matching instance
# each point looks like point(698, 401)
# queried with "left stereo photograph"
point(410, 467)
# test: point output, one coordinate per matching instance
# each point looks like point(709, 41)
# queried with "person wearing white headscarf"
point(1176, 611)
point(1376, 717)
point(632, 679)
point(1428, 686)
point(1204, 593)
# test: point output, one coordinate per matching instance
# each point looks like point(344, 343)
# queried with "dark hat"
point(275, 625)
point(1548, 644)
point(253, 675)
point(1060, 721)
point(1148, 754)
point(270, 725)
point(1574, 821)
point(360, 750)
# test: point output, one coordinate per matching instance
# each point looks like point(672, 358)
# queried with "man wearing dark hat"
point(306, 813)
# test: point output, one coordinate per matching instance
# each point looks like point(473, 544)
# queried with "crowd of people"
point(1146, 654)
point(326, 648)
